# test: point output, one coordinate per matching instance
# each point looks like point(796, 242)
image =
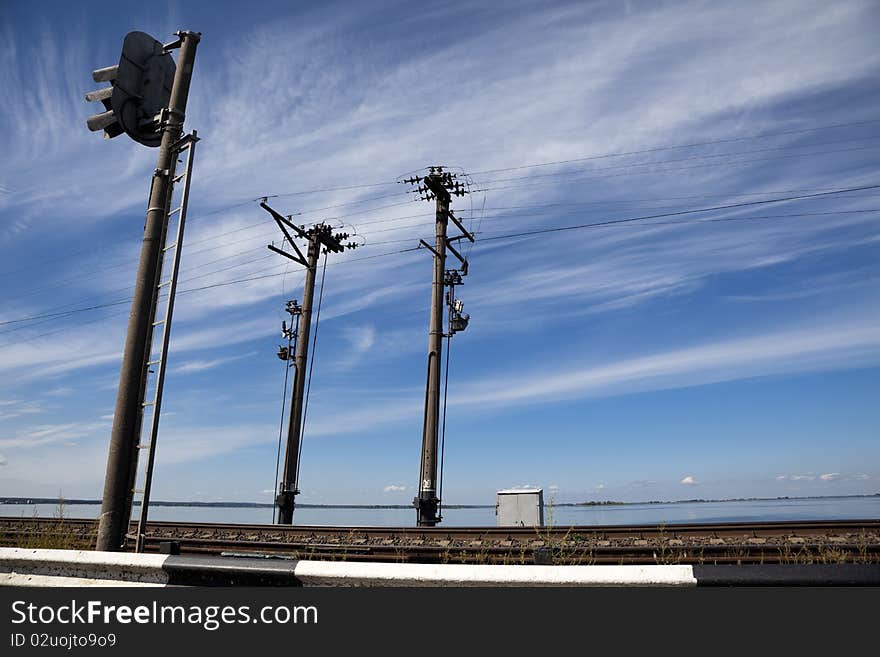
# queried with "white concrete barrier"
point(350, 573)
point(27, 567)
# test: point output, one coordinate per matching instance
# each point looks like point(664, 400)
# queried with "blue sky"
point(715, 354)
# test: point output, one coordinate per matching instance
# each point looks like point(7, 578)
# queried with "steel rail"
point(737, 542)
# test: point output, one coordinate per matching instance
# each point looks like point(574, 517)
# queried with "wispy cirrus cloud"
point(203, 365)
point(797, 350)
point(41, 435)
point(354, 100)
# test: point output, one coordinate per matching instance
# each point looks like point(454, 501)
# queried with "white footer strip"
point(341, 573)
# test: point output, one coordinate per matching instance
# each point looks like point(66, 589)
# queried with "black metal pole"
point(286, 500)
point(125, 434)
point(426, 502)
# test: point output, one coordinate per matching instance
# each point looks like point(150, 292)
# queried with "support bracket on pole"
point(430, 248)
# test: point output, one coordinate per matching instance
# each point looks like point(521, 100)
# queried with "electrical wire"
point(242, 203)
point(657, 149)
point(673, 169)
point(483, 239)
point(56, 284)
point(490, 235)
point(696, 157)
point(612, 222)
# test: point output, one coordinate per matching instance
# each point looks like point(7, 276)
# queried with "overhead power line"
point(673, 169)
point(302, 192)
point(708, 156)
point(730, 206)
point(710, 142)
point(530, 233)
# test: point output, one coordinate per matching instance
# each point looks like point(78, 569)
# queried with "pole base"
point(426, 510)
point(285, 501)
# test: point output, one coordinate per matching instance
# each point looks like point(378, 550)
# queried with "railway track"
point(853, 541)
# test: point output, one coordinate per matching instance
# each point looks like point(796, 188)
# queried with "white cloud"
point(689, 481)
point(829, 476)
point(184, 445)
point(15, 407)
point(207, 364)
point(850, 343)
point(68, 434)
point(3, 460)
point(394, 488)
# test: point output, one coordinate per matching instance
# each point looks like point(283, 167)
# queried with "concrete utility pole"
point(318, 236)
point(286, 494)
point(128, 416)
point(427, 500)
point(438, 185)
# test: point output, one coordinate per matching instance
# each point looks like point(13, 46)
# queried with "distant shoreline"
point(28, 501)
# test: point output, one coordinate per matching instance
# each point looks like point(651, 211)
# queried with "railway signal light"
point(139, 91)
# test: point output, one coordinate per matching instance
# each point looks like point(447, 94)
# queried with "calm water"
point(631, 514)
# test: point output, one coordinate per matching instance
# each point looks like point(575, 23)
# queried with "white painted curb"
point(26, 567)
point(342, 573)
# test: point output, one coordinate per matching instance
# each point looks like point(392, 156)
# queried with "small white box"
point(520, 507)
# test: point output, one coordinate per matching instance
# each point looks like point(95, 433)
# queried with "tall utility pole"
point(128, 415)
point(438, 185)
point(318, 236)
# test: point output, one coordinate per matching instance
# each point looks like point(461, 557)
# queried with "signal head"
point(140, 90)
